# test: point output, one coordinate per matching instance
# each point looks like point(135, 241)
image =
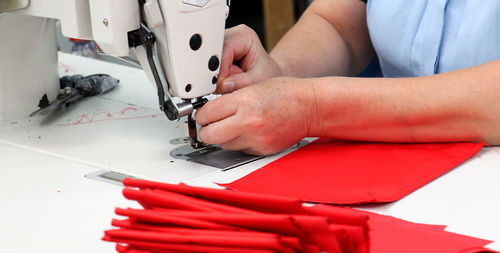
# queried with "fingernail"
point(228, 87)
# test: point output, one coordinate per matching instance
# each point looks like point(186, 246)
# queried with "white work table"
point(47, 204)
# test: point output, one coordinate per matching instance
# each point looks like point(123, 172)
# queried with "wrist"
point(313, 111)
point(280, 65)
point(308, 98)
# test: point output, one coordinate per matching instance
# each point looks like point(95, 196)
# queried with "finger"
point(236, 82)
point(216, 110)
point(233, 71)
point(221, 131)
point(238, 43)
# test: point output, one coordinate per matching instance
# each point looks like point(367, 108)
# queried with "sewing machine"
point(178, 43)
point(50, 204)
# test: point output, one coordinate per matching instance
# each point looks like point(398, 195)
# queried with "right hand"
point(244, 61)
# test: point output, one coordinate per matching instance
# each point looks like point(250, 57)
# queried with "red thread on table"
point(86, 119)
point(65, 67)
point(492, 148)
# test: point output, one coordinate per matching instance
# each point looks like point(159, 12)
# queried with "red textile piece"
point(274, 243)
point(256, 202)
point(181, 218)
point(411, 237)
point(169, 224)
point(478, 250)
point(162, 247)
point(161, 218)
point(338, 172)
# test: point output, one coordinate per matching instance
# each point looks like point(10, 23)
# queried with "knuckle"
point(242, 27)
point(247, 30)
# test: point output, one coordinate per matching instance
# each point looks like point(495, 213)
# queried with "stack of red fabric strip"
point(181, 218)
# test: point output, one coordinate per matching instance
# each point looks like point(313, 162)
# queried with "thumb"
point(235, 82)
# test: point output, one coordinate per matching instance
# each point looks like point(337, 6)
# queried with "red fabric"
point(392, 235)
point(181, 218)
point(478, 250)
point(257, 202)
point(272, 243)
point(353, 172)
point(163, 247)
point(411, 237)
point(169, 223)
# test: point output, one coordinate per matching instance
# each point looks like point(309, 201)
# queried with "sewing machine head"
point(178, 43)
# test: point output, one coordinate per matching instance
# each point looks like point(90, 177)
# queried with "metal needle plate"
point(214, 156)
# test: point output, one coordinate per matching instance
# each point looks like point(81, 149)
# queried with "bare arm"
point(462, 105)
point(457, 106)
point(331, 38)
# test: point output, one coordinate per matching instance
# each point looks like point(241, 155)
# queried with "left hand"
point(261, 119)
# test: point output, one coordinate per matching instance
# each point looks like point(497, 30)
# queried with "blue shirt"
point(425, 37)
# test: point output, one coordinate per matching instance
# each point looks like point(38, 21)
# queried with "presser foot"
point(192, 132)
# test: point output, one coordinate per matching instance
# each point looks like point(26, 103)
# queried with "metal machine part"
point(214, 156)
point(75, 87)
point(147, 39)
point(10, 5)
point(108, 176)
point(69, 96)
point(193, 133)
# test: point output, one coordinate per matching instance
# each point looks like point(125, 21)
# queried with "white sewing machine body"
point(188, 39)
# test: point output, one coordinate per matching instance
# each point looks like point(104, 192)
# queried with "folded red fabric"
point(341, 172)
point(181, 218)
point(257, 202)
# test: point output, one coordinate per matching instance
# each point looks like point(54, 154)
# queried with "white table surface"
point(47, 205)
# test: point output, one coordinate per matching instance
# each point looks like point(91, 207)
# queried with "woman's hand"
point(260, 119)
point(244, 61)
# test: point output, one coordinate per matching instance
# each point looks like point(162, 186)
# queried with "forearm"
point(331, 39)
point(462, 105)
